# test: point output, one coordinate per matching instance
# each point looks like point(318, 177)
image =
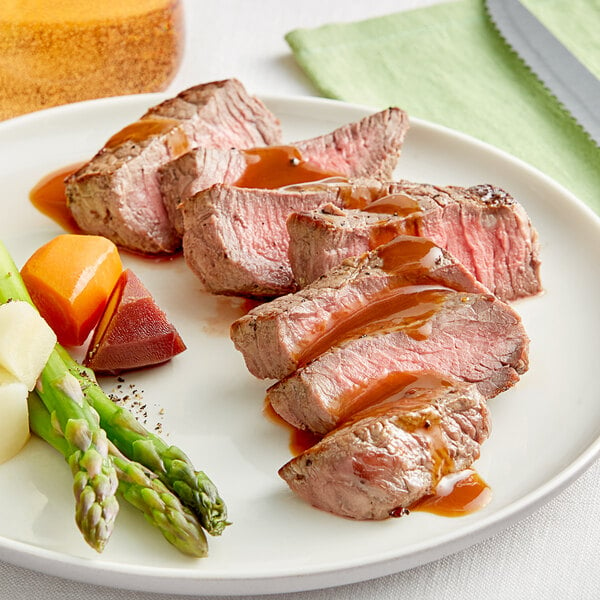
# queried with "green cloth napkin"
point(448, 64)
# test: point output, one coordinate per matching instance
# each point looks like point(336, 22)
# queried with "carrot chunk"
point(70, 280)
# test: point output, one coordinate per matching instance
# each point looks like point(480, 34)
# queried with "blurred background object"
point(65, 51)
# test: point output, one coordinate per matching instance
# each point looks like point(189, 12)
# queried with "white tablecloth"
point(555, 552)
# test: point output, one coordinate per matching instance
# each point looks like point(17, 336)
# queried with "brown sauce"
point(143, 129)
point(408, 253)
point(400, 390)
point(386, 231)
point(48, 196)
point(399, 205)
point(467, 496)
point(396, 389)
point(300, 440)
point(460, 493)
point(406, 307)
point(411, 306)
point(278, 166)
point(357, 197)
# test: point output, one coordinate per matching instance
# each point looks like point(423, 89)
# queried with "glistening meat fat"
point(387, 458)
point(117, 194)
point(369, 147)
point(277, 336)
point(483, 226)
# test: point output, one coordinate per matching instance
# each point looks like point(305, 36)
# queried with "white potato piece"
point(26, 341)
point(14, 416)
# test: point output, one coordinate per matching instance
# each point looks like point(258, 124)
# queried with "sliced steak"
point(488, 231)
point(221, 114)
point(322, 238)
point(195, 171)
point(388, 458)
point(117, 195)
point(369, 147)
point(235, 239)
point(482, 226)
point(277, 336)
point(470, 337)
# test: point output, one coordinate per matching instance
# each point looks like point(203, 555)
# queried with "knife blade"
point(575, 87)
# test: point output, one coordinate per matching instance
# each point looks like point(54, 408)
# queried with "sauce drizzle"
point(278, 166)
point(143, 129)
point(300, 439)
point(456, 493)
point(395, 389)
point(406, 258)
point(48, 196)
point(407, 308)
point(408, 211)
point(400, 205)
point(468, 493)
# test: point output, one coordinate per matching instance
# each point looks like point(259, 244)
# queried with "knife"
point(575, 87)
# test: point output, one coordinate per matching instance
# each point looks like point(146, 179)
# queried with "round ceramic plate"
point(206, 402)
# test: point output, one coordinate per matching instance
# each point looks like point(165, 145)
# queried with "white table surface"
point(553, 553)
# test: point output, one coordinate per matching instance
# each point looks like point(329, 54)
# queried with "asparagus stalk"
point(173, 467)
point(94, 476)
point(137, 484)
point(170, 463)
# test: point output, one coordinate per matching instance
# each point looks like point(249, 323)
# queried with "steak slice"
point(235, 240)
point(388, 458)
point(322, 238)
point(369, 147)
point(117, 195)
point(469, 337)
point(482, 226)
point(195, 171)
point(277, 336)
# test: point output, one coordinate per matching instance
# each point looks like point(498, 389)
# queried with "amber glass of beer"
point(59, 51)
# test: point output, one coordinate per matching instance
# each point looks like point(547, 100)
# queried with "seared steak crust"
point(117, 194)
point(389, 459)
point(222, 115)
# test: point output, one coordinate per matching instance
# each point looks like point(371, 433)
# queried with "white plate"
point(546, 429)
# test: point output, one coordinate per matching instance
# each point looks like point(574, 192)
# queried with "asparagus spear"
point(138, 485)
point(94, 476)
point(170, 463)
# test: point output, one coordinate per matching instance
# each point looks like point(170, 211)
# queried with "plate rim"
point(149, 578)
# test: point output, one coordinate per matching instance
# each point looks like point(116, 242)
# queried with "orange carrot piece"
point(70, 279)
